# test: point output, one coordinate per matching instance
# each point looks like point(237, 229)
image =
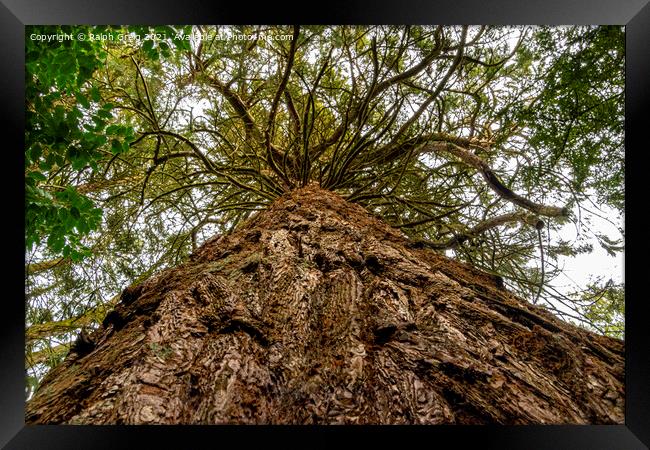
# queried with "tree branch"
point(357, 110)
point(35, 268)
point(493, 181)
point(481, 228)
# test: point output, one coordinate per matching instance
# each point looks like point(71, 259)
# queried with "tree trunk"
point(316, 312)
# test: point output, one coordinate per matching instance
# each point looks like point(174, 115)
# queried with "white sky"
point(580, 269)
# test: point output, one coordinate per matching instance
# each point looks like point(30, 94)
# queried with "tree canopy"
point(481, 142)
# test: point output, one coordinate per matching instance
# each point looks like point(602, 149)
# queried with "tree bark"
point(316, 312)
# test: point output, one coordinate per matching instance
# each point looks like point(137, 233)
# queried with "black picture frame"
point(634, 14)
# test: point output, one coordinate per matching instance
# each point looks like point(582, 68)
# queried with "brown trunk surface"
point(316, 312)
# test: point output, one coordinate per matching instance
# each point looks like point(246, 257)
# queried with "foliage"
point(65, 127)
point(464, 138)
point(603, 306)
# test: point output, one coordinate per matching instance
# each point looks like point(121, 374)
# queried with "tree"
point(475, 142)
point(316, 312)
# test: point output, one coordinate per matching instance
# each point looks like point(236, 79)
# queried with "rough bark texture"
point(316, 312)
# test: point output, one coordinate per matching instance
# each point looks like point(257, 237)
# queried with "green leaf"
point(104, 114)
point(74, 212)
point(38, 176)
point(99, 123)
point(55, 242)
point(116, 146)
point(113, 129)
point(95, 95)
point(147, 46)
point(82, 99)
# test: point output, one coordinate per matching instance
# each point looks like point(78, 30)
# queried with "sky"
point(578, 270)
